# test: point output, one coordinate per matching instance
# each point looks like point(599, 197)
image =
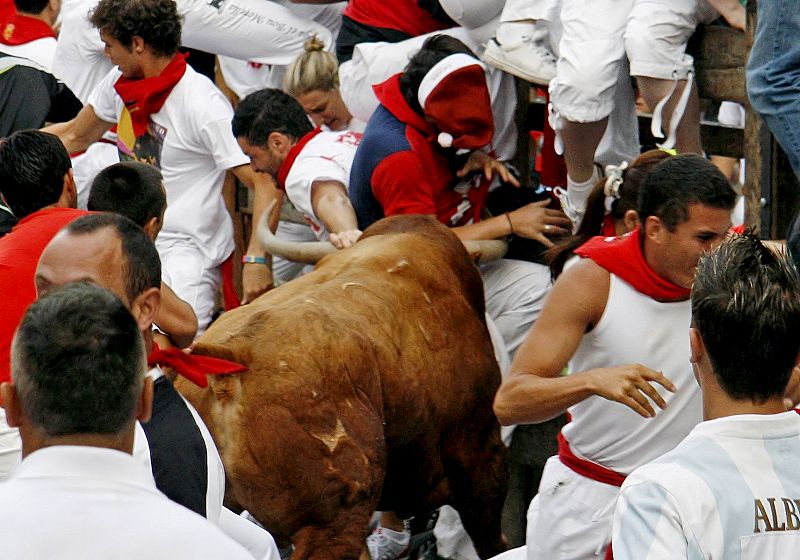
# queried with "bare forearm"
point(263, 195)
point(525, 398)
point(492, 228)
point(336, 213)
point(176, 318)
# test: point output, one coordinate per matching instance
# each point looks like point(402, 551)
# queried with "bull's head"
point(310, 252)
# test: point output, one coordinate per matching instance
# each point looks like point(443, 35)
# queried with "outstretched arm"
point(535, 391)
point(332, 206)
point(82, 131)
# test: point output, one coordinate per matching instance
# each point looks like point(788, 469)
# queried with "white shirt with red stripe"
point(328, 156)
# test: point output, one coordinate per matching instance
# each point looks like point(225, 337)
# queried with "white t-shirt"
point(191, 141)
point(59, 493)
point(730, 490)
point(79, 61)
point(41, 51)
point(328, 156)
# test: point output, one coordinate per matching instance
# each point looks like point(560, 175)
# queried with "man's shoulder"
point(585, 280)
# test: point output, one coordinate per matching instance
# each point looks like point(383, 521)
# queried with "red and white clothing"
point(20, 250)
point(318, 156)
point(30, 38)
point(191, 141)
point(571, 515)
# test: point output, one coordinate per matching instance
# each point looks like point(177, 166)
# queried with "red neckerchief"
point(609, 229)
point(19, 29)
point(623, 257)
point(294, 151)
point(144, 97)
point(192, 367)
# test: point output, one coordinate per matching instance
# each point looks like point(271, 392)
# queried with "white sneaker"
point(530, 59)
point(386, 544)
point(573, 212)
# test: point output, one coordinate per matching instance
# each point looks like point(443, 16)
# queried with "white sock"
point(513, 32)
point(579, 192)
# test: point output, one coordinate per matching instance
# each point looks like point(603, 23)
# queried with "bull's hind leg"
point(478, 481)
point(344, 540)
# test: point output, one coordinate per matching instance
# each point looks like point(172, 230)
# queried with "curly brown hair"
point(156, 21)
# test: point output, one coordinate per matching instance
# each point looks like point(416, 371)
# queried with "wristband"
point(510, 225)
point(250, 259)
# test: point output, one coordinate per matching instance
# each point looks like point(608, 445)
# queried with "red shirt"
point(402, 15)
point(20, 250)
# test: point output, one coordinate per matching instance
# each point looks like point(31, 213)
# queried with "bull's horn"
point(308, 252)
point(486, 250)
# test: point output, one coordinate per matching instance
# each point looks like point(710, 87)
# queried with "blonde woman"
point(313, 79)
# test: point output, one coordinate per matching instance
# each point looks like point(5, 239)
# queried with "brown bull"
point(370, 386)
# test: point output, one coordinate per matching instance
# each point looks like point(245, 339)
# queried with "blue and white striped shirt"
point(730, 490)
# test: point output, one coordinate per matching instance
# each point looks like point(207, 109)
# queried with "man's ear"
point(145, 407)
point(145, 306)
point(69, 191)
point(631, 220)
point(152, 227)
point(8, 393)
point(654, 229)
point(278, 142)
point(697, 346)
point(137, 45)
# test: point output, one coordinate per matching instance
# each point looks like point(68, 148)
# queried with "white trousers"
point(191, 277)
point(570, 517)
point(515, 292)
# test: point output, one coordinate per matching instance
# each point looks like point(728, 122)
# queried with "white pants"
point(245, 77)
point(570, 518)
point(515, 292)
point(191, 277)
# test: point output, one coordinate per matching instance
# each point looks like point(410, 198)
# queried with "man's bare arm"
point(176, 318)
point(82, 131)
point(333, 208)
point(257, 278)
point(535, 391)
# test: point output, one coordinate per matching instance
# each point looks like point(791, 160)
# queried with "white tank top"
point(635, 328)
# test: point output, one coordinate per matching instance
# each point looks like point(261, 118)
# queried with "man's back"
point(99, 504)
point(729, 490)
point(19, 253)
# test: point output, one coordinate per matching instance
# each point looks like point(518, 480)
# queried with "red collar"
point(19, 29)
point(391, 97)
point(623, 257)
point(294, 151)
point(144, 97)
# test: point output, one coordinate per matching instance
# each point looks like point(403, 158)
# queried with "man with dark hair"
point(113, 252)
point(79, 385)
point(35, 172)
point(133, 189)
point(617, 318)
point(311, 166)
point(170, 116)
point(136, 190)
point(36, 180)
point(729, 489)
point(29, 93)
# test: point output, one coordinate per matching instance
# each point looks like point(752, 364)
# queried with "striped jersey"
point(730, 490)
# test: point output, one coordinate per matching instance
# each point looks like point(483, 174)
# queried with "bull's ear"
point(219, 351)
